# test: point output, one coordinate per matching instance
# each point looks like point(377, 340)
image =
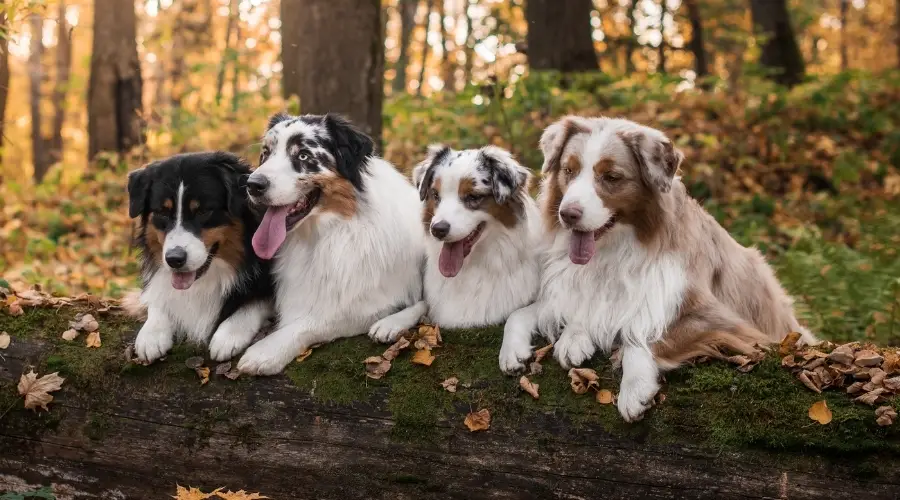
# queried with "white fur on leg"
point(387, 329)
point(156, 336)
point(574, 346)
point(516, 348)
point(238, 330)
point(272, 354)
point(640, 382)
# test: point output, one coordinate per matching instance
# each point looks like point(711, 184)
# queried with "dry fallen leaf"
point(183, 493)
point(583, 378)
point(240, 495)
point(842, 354)
point(807, 378)
point(194, 362)
point(4, 340)
point(478, 421)
point(744, 363)
point(431, 334)
point(891, 363)
point(93, 340)
point(529, 386)
point(303, 355)
point(84, 323)
point(892, 384)
point(542, 352)
point(37, 390)
point(788, 361)
point(789, 343)
point(15, 309)
point(393, 351)
point(535, 368)
point(605, 397)
point(223, 368)
point(820, 412)
point(203, 373)
point(868, 358)
point(423, 357)
point(376, 367)
point(450, 384)
point(885, 415)
point(70, 334)
point(871, 397)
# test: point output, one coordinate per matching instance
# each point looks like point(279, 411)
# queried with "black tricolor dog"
point(200, 274)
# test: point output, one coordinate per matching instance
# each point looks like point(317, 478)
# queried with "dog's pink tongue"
point(451, 259)
point(183, 281)
point(581, 247)
point(271, 232)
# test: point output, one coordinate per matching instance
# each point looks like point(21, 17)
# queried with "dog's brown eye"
point(612, 177)
point(568, 172)
point(473, 199)
point(435, 195)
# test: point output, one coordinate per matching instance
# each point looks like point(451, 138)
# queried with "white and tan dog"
point(343, 229)
point(634, 261)
point(481, 255)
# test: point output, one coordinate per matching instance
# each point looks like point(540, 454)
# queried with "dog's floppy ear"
point(276, 119)
point(506, 175)
point(233, 171)
point(139, 182)
point(350, 148)
point(556, 136)
point(656, 157)
point(423, 173)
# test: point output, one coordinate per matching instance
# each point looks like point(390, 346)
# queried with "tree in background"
point(407, 10)
point(780, 51)
point(114, 90)
point(39, 155)
point(426, 25)
point(60, 89)
point(4, 71)
point(696, 44)
point(559, 35)
point(333, 59)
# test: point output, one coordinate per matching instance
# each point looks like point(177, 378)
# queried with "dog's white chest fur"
point(193, 312)
point(349, 273)
point(500, 276)
point(623, 295)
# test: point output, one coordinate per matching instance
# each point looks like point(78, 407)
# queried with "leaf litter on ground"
point(37, 390)
point(479, 420)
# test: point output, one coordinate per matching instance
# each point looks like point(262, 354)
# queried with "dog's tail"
point(132, 306)
point(671, 352)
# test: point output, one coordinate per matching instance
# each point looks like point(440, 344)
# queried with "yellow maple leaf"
point(183, 493)
point(423, 357)
point(820, 412)
point(37, 390)
point(93, 340)
point(479, 420)
point(240, 495)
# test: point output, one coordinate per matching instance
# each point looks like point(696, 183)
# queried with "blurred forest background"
point(787, 111)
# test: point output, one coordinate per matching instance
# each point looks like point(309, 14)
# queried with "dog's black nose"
point(440, 229)
point(176, 257)
point(571, 214)
point(257, 185)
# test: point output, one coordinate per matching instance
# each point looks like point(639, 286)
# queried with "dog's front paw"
point(386, 330)
point(513, 356)
point(226, 343)
point(150, 345)
point(573, 349)
point(264, 359)
point(636, 397)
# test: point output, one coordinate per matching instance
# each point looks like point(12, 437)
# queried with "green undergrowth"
point(709, 404)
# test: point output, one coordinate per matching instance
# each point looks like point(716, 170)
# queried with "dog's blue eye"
point(473, 198)
point(303, 156)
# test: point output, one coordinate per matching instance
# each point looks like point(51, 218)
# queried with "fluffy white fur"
point(337, 277)
point(500, 274)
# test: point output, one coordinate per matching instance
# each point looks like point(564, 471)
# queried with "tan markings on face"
point(231, 243)
point(194, 205)
point(338, 195)
point(430, 205)
point(507, 214)
point(154, 239)
point(571, 128)
point(557, 183)
point(168, 204)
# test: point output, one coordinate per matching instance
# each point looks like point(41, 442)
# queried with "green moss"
point(97, 426)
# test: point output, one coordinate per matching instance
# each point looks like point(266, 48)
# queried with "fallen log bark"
point(324, 430)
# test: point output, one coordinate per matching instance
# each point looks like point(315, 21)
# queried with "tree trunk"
point(4, 75)
point(426, 24)
point(470, 43)
point(661, 63)
point(36, 75)
point(632, 37)
point(330, 73)
point(559, 36)
point(845, 4)
point(446, 70)
point(63, 67)
point(407, 24)
point(114, 91)
point(229, 55)
point(696, 44)
point(780, 51)
point(236, 72)
point(897, 21)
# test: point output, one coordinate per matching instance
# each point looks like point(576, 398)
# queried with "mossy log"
point(324, 430)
